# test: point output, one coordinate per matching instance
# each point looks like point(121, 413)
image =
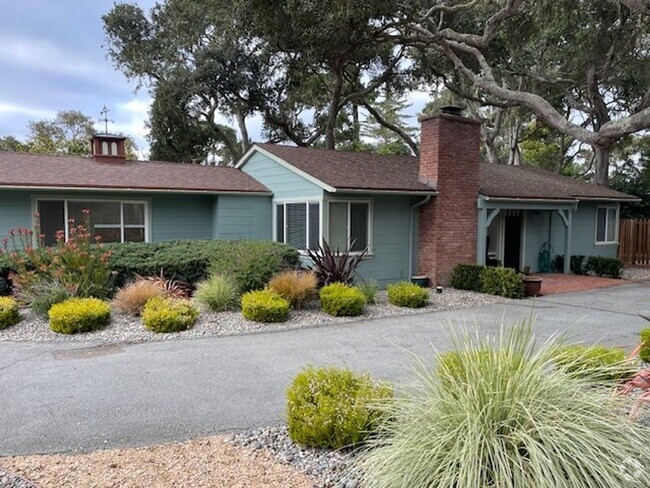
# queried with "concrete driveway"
point(79, 397)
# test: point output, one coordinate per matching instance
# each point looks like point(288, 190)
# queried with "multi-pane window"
point(298, 224)
point(606, 225)
point(113, 221)
point(349, 225)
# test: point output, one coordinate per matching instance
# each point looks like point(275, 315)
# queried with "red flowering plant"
point(76, 266)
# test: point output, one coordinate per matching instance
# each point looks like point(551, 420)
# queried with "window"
point(298, 224)
point(349, 225)
point(606, 225)
point(114, 221)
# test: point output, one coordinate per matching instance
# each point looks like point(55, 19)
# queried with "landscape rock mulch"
point(125, 328)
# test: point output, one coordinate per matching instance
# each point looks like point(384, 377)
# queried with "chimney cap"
point(105, 135)
point(456, 110)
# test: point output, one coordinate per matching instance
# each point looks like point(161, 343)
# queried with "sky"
point(52, 58)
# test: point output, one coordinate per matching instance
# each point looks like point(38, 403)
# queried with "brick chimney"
point(108, 148)
point(449, 162)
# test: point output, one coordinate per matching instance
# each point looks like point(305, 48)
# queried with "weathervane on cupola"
point(106, 120)
point(108, 147)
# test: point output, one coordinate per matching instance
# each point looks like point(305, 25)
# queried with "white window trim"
point(145, 202)
point(370, 203)
point(607, 243)
point(307, 202)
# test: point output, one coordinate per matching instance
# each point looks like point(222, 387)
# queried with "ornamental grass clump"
point(218, 293)
point(264, 306)
point(169, 314)
point(132, 298)
point(500, 415)
point(9, 312)
point(405, 294)
point(298, 287)
point(79, 315)
point(334, 408)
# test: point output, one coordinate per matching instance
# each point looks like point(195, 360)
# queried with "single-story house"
point(415, 216)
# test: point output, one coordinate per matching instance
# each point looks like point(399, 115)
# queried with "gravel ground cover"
point(124, 328)
point(209, 462)
point(636, 273)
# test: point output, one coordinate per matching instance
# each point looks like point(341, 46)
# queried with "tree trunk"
point(243, 130)
point(514, 156)
point(601, 164)
point(334, 109)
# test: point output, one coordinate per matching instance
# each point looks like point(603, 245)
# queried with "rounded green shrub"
point(339, 299)
point(9, 312)
point(595, 362)
point(218, 293)
point(495, 415)
point(466, 277)
point(264, 306)
point(505, 282)
point(644, 352)
point(79, 315)
point(405, 294)
point(333, 408)
point(169, 314)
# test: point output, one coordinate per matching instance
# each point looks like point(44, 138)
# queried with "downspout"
point(413, 207)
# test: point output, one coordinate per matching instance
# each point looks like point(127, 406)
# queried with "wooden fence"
point(634, 238)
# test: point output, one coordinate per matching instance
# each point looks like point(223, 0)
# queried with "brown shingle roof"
point(361, 171)
point(353, 170)
point(527, 182)
point(36, 170)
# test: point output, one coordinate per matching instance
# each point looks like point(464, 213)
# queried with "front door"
point(512, 241)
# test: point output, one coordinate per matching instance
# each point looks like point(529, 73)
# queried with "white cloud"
point(47, 56)
point(130, 118)
point(35, 112)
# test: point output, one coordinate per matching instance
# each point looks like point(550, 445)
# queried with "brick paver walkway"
point(553, 283)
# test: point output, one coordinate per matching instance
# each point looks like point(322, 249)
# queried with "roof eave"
point(134, 190)
point(528, 199)
point(385, 192)
point(610, 199)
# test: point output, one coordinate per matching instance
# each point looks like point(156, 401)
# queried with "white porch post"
point(567, 219)
point(481, 237)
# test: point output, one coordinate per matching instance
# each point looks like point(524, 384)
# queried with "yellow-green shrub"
point(296, 286)
point(79, 315)
point(169, 314)
point(9, 313)
point(264, 306)
point(339, 299)
point(596, 362)
point(405, 294)
point(333, 408)
point(644, 352)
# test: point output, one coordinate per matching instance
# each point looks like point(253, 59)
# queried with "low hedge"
point(264, 306)
point(339, 299)
point(466, 277)
point(79, 315)
point(169, 314)
point(405, 294)
point(602, 266)
point(9, 312)
point(505, 282)
point(251, 263)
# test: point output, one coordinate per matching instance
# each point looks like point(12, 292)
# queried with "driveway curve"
point(58, 397)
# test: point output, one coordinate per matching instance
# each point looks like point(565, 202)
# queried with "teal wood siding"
point(181, 217)
point(389, 261)
point(284, 184)
point(583, 234)
point(242, 217)
point(15, 211)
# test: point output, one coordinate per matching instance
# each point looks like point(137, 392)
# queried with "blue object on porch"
point(544, 260)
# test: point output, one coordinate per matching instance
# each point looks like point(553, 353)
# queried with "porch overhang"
point(489, 207)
